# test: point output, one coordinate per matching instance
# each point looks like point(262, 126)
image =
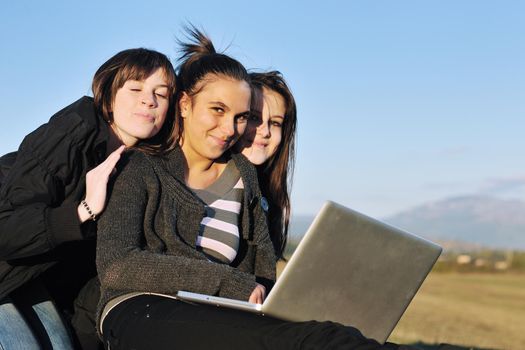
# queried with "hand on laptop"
point(258, 294)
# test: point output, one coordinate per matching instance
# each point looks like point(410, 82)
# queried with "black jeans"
point(155, 322)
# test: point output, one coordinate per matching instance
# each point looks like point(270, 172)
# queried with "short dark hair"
point(134, 64)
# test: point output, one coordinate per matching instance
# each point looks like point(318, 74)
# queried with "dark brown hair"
point(275, 175)
point(134, 64)
point(198, 63)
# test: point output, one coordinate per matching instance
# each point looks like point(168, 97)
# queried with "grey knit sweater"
point(146, 237)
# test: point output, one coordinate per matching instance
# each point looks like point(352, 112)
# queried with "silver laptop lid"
point(352, 269)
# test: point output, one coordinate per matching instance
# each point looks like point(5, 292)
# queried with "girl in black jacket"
point(56, 189)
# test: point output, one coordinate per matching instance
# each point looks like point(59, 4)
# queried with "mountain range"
point(473, 221)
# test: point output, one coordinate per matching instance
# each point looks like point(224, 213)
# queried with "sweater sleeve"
point(129, 259)
point(265, 258)
point(34, 217)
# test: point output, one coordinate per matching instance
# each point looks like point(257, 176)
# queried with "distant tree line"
point(483, 260)
point(476, 260)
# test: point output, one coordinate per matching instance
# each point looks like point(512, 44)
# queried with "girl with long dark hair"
point(269, 143)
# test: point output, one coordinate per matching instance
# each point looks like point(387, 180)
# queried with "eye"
point(162, 93)
point(242, 118)
point(218, 109)
point(276, 123)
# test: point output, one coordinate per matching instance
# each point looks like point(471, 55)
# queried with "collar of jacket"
point(86, 110)
point(174, 163)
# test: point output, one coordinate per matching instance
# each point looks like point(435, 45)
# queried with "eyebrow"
point(161, 86)
point(141, 81)
point(220, 104)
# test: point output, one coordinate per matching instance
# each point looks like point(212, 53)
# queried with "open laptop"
point(348, 268)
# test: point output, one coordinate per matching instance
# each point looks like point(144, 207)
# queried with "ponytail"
point(199, 45)
point(199, 62)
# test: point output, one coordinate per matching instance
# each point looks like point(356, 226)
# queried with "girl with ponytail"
point(189, 218)
point(192, 218)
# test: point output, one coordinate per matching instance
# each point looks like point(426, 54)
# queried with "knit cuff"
point(64, 224)
point(239, 285)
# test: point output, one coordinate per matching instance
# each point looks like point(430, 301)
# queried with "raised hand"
point(97, 184)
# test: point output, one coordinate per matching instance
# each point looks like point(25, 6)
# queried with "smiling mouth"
point(223, 143)
point(146, 116)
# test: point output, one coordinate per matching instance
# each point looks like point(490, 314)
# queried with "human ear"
point(184, 105)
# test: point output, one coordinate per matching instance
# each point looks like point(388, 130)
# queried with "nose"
point(264, 129)
point(227, 127)
point(148, 99)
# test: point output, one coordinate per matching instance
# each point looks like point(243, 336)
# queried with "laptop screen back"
point(352, 269)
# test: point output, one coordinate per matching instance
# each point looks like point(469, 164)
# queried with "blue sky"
point(400, 102)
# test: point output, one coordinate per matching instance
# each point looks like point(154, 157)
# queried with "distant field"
point(472, 310)
point(481, 311)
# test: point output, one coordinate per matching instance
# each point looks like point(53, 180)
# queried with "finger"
point(111, 161)
point(260, 294)
point(254, 297)
point(262, 290)
point(121, 149)
point(115, 155)
point(104, 170)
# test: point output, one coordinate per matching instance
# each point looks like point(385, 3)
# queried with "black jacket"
point(6, 163)
point(39, 195)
